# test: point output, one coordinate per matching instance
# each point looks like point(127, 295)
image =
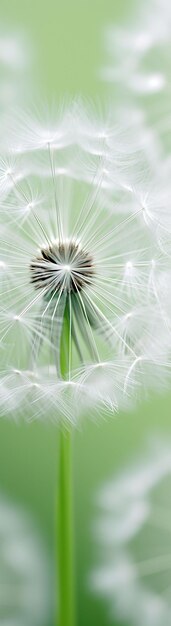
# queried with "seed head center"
point(62, 266)
point(67, 268)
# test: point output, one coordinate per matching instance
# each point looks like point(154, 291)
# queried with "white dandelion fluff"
point(24, 578)
point(134, 535)
point(78, 253)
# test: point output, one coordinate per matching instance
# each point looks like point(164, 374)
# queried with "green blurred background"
point(66, 45)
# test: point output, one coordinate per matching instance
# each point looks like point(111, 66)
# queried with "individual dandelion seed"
point(25, 577)
point(134, 538)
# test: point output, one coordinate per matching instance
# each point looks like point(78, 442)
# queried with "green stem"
point(66, 578)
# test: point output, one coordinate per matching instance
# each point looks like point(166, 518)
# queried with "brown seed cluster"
point(62, 266)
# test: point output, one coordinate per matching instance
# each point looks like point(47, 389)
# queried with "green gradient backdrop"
point(66, 39)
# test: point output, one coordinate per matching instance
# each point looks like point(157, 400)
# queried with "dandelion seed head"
point(62, 266)
point(76, 249)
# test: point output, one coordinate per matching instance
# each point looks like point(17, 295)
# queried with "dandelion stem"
point(66, 596)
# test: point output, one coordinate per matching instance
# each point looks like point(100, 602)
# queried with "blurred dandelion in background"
point(133, 530)
point(15, 63)
point(24, 569)
point(139, 61)
point(80, 229)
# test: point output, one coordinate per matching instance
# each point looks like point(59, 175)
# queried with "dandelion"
point(80, 251)
point(82, 320)
point(133, 531)
point(24, 584)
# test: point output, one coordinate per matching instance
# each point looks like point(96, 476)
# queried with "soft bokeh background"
point(65, 38)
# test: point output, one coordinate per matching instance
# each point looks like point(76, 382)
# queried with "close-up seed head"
point(62, 267)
